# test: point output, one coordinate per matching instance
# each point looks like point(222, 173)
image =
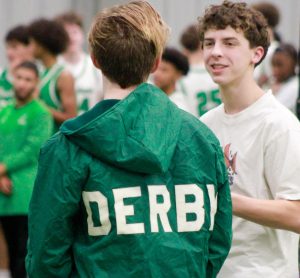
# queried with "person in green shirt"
point(134, 187)
point(17, 50)
point(25, 125)
point(49, 39)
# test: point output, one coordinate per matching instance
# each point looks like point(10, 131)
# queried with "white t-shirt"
point(288, 93)
point(262, 153)
point(179, 99)
point(201, 92)
point(88, 82)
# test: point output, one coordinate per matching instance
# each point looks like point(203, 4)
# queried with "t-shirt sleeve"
point(282, 165)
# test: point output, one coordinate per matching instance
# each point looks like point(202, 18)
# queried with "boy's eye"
point(230, 43)
point(208, 43)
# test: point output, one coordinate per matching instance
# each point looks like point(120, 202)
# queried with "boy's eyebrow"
point(223, 39)
point(230, 39)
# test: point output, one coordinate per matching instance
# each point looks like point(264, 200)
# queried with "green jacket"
point(6, 89)
point(130, 191)
point(22, 132)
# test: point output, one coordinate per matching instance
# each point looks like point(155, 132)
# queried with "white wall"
point(177, 13)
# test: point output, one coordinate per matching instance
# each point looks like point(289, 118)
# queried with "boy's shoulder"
point(212, 115)
point(197, 129)
point(61, 149)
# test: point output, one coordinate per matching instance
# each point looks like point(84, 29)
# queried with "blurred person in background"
point(49, 39)
point(263, 72)
point(25, 125)
point(173, 66)
point(88, 79)
point(18, 49)
point(202, 93)
point(285, 85)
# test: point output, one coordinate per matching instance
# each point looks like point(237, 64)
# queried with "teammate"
point(286, 84)
point(263, 73)
point(17, 50)
point(124, 190)
point(88, 80)
point(202, 93)
point(24, 126)
point(49, 39)
point(173, 67)
point(260, 138)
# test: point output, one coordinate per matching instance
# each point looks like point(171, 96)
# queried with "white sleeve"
point(282, 165)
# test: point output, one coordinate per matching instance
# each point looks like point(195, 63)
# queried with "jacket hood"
point(138, 133)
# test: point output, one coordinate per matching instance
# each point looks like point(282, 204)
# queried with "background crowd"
point(49, 78)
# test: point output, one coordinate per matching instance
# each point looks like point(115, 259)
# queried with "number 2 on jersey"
point(207, 100)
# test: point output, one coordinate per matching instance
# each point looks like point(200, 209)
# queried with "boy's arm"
point(53, 208)
point(220, 241)
point(282, 173)
point(65, 84)
point(278, 214)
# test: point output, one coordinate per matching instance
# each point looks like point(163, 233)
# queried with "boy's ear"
point(155, 65)
point(257, 54)
point(94, 60)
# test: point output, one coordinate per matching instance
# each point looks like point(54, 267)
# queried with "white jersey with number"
point(202, 93)
point(88, 82)
point(180, 100)
point(288, 93)
point(262, 155)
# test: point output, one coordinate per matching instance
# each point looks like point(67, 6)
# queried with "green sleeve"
point(220, 240)
point(54, 205)
point(38, 132)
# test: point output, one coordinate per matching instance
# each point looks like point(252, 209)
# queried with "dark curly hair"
point(49, 34)
point(270, 12)
point(190, 38)
point(18, 33)
point(240, 17)
point(177, 59)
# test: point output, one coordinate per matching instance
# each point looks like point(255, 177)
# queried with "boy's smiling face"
point(228, 56)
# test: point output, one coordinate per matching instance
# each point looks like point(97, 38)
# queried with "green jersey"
point(6, 88)
point(48, 86)
point(49, 93)
point(22, 132)
point(135, 188)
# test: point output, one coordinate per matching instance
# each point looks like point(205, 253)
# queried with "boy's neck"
point(48, 60)
point(170, 89)
point(238, 97)
point(112, 90)
point(22, 102)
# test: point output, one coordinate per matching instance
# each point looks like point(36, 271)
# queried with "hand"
point(2, 169)
point(5, 185)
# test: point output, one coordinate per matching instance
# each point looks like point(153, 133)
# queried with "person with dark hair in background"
point(88, 79)
point(25, 125)
point(134, 187)
point(49, 39)
point(17, 50)
point(198, 87)
point(173, 66)
point(263, 72)
point(285, 86)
